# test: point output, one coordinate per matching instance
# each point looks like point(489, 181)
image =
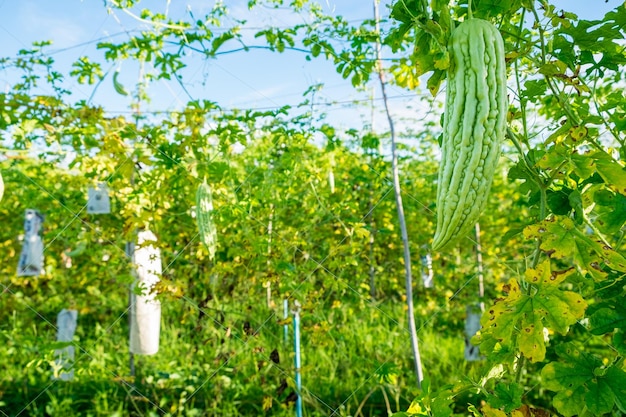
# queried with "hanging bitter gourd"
point(473, 128)
point(1, 186)
point(205, 220)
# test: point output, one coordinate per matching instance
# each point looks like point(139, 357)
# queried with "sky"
point(255, 79)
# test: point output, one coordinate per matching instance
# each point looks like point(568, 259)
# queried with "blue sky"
point(253, 79)
point(244, 80)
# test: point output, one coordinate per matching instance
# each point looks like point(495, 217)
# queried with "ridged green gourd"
point(473, 128)
point(204, 218)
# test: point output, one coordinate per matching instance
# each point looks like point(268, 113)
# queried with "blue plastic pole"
point(296, 343)
point(285, 316)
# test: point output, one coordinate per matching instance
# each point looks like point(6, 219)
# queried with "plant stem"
point(605, 120)
point(522, 102)
point(536, 178)
point(387, 404)
point(542, 215)
point(401, 220)
point(362, 404)
point(557, 94)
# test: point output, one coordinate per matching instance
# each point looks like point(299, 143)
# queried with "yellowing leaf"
point(267, 403)
point(521, 317)
point(492, 412)
point(560, 237)
point(531, 342)
point(416, 409)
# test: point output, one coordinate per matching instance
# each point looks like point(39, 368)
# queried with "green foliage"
point(430, 403)
point(554, 334)
point(584, 385)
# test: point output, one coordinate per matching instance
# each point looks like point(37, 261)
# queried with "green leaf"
point(575, 200)
point(557, 154)
point(487, 8)
point(553, 68)
point(507, 396)
point(521, 172)
point(582, 165)
point(619, 342)
point(535, 89)
point(611, 172)
point(370, 141)
point(558, 201)
point(408, 10)
point(610, 209)
point(434, 81)
point(220, 40)
point(583, 382)
point(617, 382)
point(599, 398)
point(606, 320)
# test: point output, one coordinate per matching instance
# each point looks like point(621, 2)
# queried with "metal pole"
point(297, 362)
point(285, 316)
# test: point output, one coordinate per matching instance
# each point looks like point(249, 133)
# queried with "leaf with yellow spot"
point(520, 317)
point(561, 239)
point(564, 308)
point(578, 133)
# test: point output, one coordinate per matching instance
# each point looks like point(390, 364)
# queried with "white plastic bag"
point(145, 309)
point(31, 258)
point(472, 326)
point(66, 326)
point(98, 201)
point(427, 271)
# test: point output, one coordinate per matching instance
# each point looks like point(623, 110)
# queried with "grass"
point(230, 361)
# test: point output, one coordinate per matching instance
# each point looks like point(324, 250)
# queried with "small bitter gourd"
point(205, 220)
point(473, 128)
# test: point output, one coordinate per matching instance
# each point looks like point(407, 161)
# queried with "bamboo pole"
point(401, 219)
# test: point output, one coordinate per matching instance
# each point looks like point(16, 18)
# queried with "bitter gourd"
point(473, 128)
point(204, 218)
